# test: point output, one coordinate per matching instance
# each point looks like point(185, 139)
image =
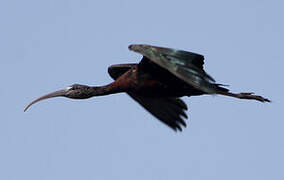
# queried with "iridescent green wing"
point(184, 65)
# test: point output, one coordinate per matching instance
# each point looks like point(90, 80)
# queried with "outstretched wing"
point(168, 110)
point(184, 65)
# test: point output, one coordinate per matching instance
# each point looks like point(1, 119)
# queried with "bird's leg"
point(245, 96)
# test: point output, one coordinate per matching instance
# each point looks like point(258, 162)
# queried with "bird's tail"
point(244, 96)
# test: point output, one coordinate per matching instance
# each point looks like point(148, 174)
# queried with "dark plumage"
point(157, 83)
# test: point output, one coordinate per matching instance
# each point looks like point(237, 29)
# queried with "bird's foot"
point(252, 96)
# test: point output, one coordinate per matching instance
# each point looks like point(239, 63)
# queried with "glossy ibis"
point(157, 82)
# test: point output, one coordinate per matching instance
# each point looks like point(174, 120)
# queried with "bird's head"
point(75, 91)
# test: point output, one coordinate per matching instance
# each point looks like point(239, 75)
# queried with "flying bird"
point(157, 82)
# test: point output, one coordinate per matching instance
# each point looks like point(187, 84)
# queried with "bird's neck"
point(111, 88)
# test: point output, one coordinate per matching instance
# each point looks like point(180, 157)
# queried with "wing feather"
point(164, 109)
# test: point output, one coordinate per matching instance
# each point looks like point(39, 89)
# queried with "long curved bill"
point(47, 96)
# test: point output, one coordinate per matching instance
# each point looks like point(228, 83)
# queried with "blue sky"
point(48, 45)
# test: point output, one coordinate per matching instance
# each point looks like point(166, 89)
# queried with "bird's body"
point(157, 82)
point(137, 80)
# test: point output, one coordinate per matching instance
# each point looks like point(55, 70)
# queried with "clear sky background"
point(48, 45)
